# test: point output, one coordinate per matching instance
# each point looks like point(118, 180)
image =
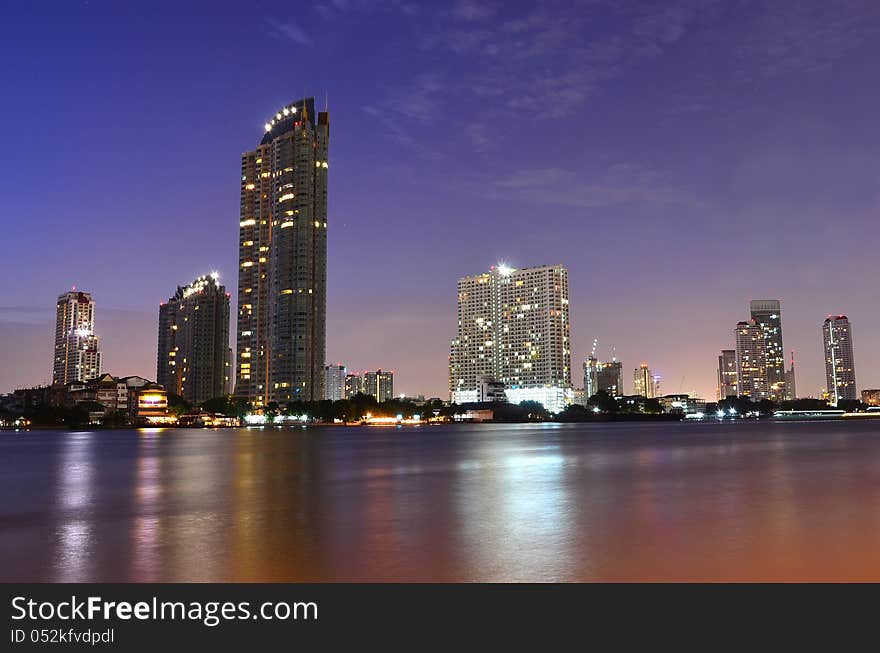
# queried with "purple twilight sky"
point(680, 157)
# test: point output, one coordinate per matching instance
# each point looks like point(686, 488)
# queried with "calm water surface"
point(649, 501)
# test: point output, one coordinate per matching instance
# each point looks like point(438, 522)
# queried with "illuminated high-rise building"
point(513, 326)
point(645, 383)
point(840, 367)
point(77, 350)
point(353, 385)
point(193, 353)
point(591, 380)
point(761, 372)
point(378, 384)
point(727, 376)
point(767, 315)
point(283, 259)
point(334, 381)
point(751, 380)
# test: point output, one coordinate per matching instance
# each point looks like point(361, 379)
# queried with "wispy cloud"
point(290, 31)
point(620, 183)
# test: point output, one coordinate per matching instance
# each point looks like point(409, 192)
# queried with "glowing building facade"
point(193, 352)
point(644, 383)
point(282, 282)
point(513, 326)
point(840, 367)
point(77, 350)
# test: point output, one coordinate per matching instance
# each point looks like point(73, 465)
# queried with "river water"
point(527, 502)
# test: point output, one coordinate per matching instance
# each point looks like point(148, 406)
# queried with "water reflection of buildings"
point(73, 559)
point(515, 511)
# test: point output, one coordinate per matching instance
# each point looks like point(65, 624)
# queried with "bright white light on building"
point(215, 275)
point(286, 111)
point(267, 127)
point(82, 333)
point(505, 270)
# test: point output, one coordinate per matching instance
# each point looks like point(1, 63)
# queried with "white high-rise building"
point(840, 367)
point(334, 381)
point(513, 326)
point(77, 354)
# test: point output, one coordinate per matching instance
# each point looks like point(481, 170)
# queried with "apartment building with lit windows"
point(77, 349)
point(193, 352)
point(840, 366)
point(513, 326)
point(281, 323)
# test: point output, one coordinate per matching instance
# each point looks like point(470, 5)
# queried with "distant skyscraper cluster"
point(193, 358)
point(756, 369)
point(760, 355)
point(513, 327)
point(282, 278)
point(378, 384)
point(77, 351)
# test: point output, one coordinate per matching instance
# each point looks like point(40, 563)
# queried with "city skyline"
point(763, 173)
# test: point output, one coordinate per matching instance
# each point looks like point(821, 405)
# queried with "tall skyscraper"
point(379, 384)
point(77, 351)
point(840, 368)
point(513, 326)
point(283, 259)
point(761, 372)
point(767, 315)
point(193, 354)
point(644, 383)
point(751, 380)
point(790, 381)
point(334, 381)
point(727, 376)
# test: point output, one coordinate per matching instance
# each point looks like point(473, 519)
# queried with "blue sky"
point(679, 157)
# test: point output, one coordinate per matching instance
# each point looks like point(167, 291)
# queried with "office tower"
point(871, 397)
point(283, 259)
point(767, 315)
point(840, 369)
point(353, 385)
point(513, 326)
point(334, 381)
point(644, 383)
point(727, 381)
point(193, 353)
point(77, 351)
point(609, 377)
point(591, 381)
point(379, 384)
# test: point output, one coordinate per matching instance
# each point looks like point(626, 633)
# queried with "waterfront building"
point(193, 352)
point(281, 331)
point(751, 380)
point(840, 368)
point(727, 376)
point(767, 315)
point(871, 397)
point(685, 404)
point(488, 389)
point(378, 384)
point(334, 381)
point(645, 384)
point(77, 350)
point(513, 326)
point(790, 381)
